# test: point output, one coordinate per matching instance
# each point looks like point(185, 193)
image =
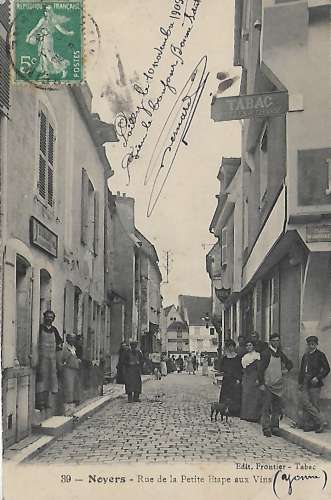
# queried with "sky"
point(121, 42)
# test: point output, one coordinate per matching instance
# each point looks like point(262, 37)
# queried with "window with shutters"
point(90, 215)
point(4, 57)
point(4, 77)
point(46, 163)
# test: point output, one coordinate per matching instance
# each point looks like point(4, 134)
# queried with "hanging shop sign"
point(249, 106)
point(43, 237)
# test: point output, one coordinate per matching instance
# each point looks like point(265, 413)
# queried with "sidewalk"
point(317, 443)
point(56, 426)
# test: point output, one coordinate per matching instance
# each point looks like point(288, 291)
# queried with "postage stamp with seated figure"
point(49, 41)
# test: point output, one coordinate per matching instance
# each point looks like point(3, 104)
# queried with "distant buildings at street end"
point(187, 328)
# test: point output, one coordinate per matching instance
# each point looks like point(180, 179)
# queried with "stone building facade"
point(53, 243)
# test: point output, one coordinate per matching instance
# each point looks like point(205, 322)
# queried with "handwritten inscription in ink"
point(133, 129)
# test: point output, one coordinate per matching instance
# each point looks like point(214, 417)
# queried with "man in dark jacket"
point(314, 368)
point(270, 374)
point(259, 344)
point(132, 369)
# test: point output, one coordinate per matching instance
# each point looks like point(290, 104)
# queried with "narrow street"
point(172, 423)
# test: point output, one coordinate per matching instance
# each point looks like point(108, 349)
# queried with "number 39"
point(65, 478)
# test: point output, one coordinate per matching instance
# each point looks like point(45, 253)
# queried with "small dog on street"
point(219, 408)
point(157, 374)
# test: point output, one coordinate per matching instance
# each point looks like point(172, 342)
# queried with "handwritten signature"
point(174, 132)
point(290, 480)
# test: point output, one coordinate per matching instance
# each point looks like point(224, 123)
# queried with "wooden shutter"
point(46, 159)
point(84, 207)
point(23, 319)
point(85, 325)
point(42, 182)
point(50, 156)
point(96, 222)
point(4, 77)
point(4, 58)
point(9, 312)
point(69, 308)
point(5, 14)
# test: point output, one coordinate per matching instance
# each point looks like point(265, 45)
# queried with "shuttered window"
point(5, 14)
point(4, 58)
point(4, 77)
point(46, 159)
point(90, 215)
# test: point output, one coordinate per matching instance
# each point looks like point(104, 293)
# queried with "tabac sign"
point(249, 106)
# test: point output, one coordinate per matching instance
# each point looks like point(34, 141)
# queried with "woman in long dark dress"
point(120, 364)
point(251, 395)
point(231, 368)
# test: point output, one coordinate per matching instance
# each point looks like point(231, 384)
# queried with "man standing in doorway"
point(49, 343)
point(270, 375)
point(132, 369)
point(314, 368)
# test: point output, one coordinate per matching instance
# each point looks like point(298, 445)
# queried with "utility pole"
point(167, 265)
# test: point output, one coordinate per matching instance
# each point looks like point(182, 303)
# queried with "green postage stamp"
point(49, 41)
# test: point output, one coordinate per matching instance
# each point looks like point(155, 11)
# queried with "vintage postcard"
point(165, 249)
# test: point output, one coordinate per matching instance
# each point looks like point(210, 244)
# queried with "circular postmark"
point(92, 41)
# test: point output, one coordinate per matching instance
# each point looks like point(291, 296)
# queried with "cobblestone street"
point(172, 423)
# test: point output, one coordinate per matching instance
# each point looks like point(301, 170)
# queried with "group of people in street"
point(188, 364)
point(131, 364)
point(58, 364)
point(252, 384)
